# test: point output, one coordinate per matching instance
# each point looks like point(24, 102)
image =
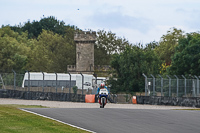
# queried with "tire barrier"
point(134, 100)
point(90, 98)
point(32, 95)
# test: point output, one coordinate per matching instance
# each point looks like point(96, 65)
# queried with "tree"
point(186, 59)
point(100, 56)
point(52, 53)
point(46, 23)
point(107, 44)
point(129, 67)
point(34, 29)
point(151, 46)
point(13, 50)
point(167, 45)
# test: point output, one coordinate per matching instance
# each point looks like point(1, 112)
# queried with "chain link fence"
point(11, 81)
point(172, 86)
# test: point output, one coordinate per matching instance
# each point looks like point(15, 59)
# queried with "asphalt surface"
point(58, 104)
point(115, 120)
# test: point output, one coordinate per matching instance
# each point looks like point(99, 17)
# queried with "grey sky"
point(138, 21)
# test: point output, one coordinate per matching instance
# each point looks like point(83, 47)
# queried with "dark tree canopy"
point(47, 23)
point(129, 67)
point(186, 59)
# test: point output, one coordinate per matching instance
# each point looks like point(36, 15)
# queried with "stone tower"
point(85, 51)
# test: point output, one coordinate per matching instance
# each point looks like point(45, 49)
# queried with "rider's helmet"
point(102, 85)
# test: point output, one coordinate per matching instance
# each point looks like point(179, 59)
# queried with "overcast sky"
point(137, 20)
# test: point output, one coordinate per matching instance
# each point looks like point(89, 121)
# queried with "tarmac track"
point(118, 118)
point(113, 120)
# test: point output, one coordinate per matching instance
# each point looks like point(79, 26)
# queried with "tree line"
point(48, 45)
point(177, 53)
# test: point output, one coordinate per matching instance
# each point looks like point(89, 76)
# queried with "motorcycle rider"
point(102, 86)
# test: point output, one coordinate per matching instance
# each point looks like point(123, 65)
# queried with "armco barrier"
point(172, 101)
point(90, 98)
point(41, 95)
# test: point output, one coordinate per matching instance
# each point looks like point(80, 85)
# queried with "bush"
point(75, 88)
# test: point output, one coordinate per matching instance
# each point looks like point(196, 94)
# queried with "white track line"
point(57, 120)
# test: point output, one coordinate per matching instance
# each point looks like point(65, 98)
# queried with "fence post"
point(70, 79)
point(28, 84)
point(153, 85)
point(95, 84)
point(169, 85)
point(43, 82)
point(82, 83)
point(193, 87)
point(95, 75)
point(177, 84)
point(56, 81)
point(14, 79)
point(146, 84)
point(197, 84)
point(28, 81)
point(161, 84)
point(3, 86)
point(185, 85)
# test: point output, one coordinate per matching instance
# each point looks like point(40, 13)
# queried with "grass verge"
point(13, 120)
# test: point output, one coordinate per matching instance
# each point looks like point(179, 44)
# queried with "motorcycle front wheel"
point(102, 102)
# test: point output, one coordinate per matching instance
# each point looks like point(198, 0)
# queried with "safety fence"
point(56, 83)
point(172, 86)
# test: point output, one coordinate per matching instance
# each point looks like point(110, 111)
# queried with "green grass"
point(24, 106)
point(13, 120)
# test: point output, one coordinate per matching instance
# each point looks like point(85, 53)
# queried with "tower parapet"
point(85, 37)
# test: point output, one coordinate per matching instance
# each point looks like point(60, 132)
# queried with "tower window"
point(79, 53)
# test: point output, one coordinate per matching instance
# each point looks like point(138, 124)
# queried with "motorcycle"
point(103, 97)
